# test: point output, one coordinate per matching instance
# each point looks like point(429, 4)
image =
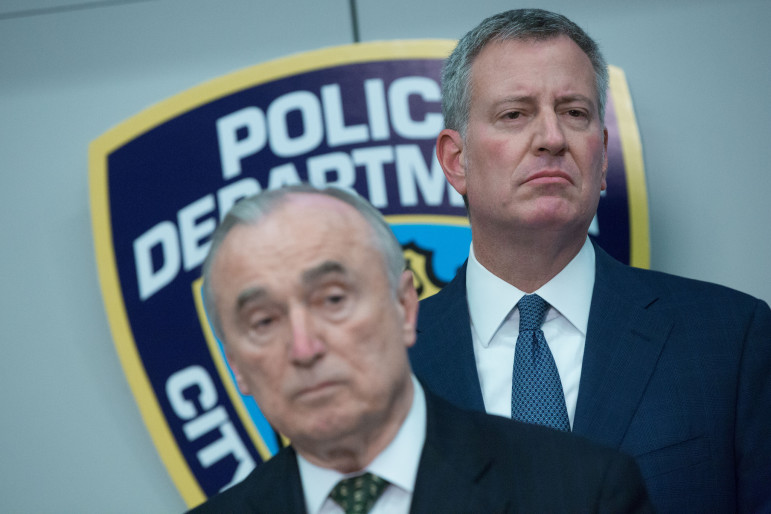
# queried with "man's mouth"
point(549, 177)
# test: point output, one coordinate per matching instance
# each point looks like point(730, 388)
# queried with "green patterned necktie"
point(356, 495)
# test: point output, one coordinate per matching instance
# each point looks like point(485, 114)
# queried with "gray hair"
point(253, 209)
point(518, 24)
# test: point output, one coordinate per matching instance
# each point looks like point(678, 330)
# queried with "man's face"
point(534, 156)
point(312, 329)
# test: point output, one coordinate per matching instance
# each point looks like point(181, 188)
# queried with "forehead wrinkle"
point(254, 294)
point(325, 268)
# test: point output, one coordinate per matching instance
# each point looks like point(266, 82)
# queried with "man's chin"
point(552, 213)
point(322, 431)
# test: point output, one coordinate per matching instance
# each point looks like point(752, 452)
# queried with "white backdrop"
point(71, 437)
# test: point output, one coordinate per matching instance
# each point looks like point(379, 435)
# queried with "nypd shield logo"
point(362, 117)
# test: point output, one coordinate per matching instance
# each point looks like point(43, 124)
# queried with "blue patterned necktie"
point(536, 390)
point(357, 495)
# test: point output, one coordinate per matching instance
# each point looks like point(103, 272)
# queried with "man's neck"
point(527, 260)
point(355, 451)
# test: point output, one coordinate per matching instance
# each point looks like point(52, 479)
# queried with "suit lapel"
point(452, 466)
point(623, 342)
point(443, 357)
point(280, 488)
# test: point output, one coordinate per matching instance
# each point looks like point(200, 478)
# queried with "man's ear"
point(408, 300)
point(449, 152)
point(242, 385)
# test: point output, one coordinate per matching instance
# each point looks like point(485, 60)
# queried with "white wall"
point(71, 438)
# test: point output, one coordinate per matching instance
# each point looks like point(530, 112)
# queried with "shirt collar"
point(398, 463)
point(491, 299)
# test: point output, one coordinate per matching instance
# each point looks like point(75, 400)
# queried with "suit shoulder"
point(232, 499)
point(450, 292)
point(252, 491)
point(682, 292)
point(617, 274)
point(679, 283)
point(442, 316)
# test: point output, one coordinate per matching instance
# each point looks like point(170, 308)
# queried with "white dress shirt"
point(495, 327)
point(398, 464)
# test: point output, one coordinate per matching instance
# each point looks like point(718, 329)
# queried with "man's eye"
point(263, 323)
point(334, 300)
point(513, 115)
point(333, 303)
point(575, 113)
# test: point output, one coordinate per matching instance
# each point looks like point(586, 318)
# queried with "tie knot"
point(357, 495)
point(532, 309)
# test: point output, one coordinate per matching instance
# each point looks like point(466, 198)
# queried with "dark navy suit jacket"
point(676, 373)
point(474, 463)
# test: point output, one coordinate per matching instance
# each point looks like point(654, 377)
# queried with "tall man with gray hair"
point(542, 325)
point(308, 291)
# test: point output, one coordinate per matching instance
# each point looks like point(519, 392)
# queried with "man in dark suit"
point(308, 291)
point(673, 371)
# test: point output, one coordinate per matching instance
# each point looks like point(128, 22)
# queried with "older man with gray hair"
point(308, 291)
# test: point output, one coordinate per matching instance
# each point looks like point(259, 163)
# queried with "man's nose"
point(306, 345)
point(549, 134)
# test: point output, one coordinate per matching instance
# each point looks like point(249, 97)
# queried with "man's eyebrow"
point(574, 98)
point(531, 99)
point(325, 268)
point(515, 99)
point(250, 295)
